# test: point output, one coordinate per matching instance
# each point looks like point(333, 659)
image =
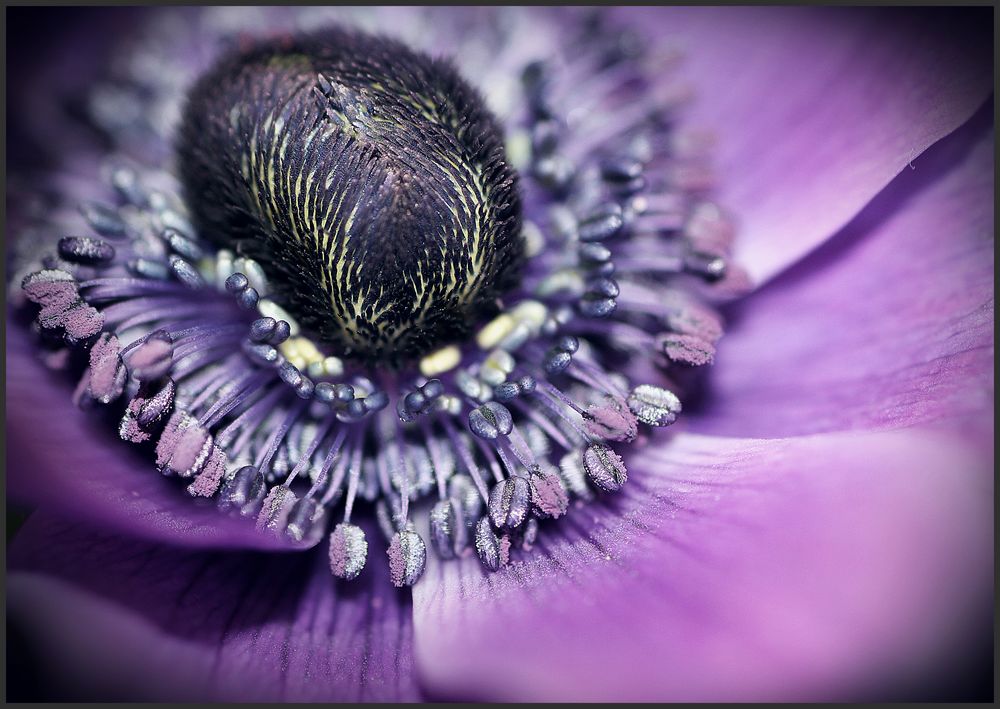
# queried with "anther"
point(171, 219)
point(597, 306)
point(153, 358)
point(526, 536)
point(103, 219)
point(153, 270)
point(126, 183)
point(261, 329)
point(376, 401)
point(689, 350)
point(568, 343)
point(86, 250)
point(604, 467)
point(304, 389)
point(156, 407)
point(462, 490)
point(598, 288)
point(149, 407)
point(244, 490)
point(548, 494)
point(183, 447)
point(276, 508)
point(571, 470)
point(50, 287)
point(289, 374)
point(611, 421)
point(594, 253)
point(248, 298)
point(182, 244)
point(306, 516)
point(448, 529)
point(556, 361)
point(601, 225)
point(508, 391)
point(343, 393)
point(262, 354)
point(237, 283)
point(493, 551)
point(326, 393)
point(355, 409)
point(282, 331)
point(654, 406)
point(407, 558)
point(186, 273)
point(106, 376)
point(510, 502)
point(207, 482)
point(491, 420)
point(80, 323)
point(348, 551)
point(432, 389)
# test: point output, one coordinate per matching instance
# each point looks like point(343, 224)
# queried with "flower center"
point(347, 189)
point(368, 180)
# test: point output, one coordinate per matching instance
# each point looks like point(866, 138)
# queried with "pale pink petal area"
point(811, 568)
point(888, 325)
point(107, 617)
point(815, 110)
point(73, 462)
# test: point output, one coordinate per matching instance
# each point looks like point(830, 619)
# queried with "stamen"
point(348, 551)
point(510, 502)
point(86, 250)
point(654, 406)
point(548, 495)
point(604, 467)
point(493, 551)
point(448, 529)
point(407, 558)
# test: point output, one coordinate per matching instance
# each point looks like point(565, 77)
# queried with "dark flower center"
point(348, 197)
point(368, 180)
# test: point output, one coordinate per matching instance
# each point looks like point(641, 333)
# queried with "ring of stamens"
point(495, 433)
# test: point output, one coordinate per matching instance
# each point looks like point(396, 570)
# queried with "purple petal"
point(836, 566)
point(889, 324)
point(65, 459)
point(112, 618)
point(816, 109)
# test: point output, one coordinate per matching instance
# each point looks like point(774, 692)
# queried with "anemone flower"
point(393, 314)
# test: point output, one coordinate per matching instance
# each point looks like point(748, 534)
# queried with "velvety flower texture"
point(819, 525)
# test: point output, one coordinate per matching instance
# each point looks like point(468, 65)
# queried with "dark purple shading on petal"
point(72, 461)
point(816, 109)
point(839, 566)
point(111, 618)
point(889, 324)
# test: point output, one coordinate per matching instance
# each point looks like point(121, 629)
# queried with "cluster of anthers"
point(239, 401)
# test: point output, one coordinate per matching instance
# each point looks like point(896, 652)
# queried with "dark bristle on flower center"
point(369, 180)
point(370, 300)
